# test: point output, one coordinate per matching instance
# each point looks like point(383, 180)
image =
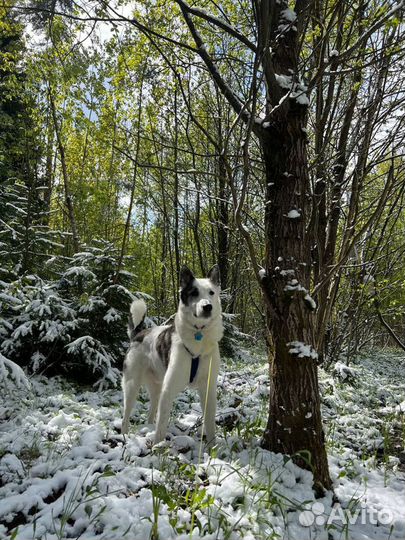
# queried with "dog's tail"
point(136, 318)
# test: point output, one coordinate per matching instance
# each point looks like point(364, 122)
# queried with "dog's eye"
point(194, 292)
point(212, 293)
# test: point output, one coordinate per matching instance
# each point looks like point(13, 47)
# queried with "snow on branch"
point(10, 371)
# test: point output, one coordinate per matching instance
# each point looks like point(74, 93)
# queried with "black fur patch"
point(187, 285)
point(164, 344)
point(140, 336)
point(188, 292)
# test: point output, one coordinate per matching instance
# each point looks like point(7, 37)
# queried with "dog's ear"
point(186, 277)
point(214, 275)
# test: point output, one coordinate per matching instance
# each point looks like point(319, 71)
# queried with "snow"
point(302, 98)
point(294, 286)
point(81, 343)
point(67, 472)
point(293, 214)
point(288, 272)
point(368, 278)
point(302, 350)
point(112, 315)
point(9, 299)
point(308, 298)
point(400, 407)
point(284, 81)
point(11, 373)
point(288, 15)
point(343, 371)
point(287, 18)
point(297, 90)
point(77, 271)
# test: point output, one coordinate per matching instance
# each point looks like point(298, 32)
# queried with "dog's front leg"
point(208, 396)
point(174, 382)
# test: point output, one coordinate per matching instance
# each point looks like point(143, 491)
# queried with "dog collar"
point(199, 335)
point(195, 362)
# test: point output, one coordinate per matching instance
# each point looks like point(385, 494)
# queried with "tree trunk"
point(125, 236)
point(294, 424)
point(176, 188)
point(65, 176)
point(49, 171)
point(222, 225)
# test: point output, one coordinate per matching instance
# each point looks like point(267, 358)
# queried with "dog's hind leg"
point(131, 384)
point(131, 390)
point(154, 390)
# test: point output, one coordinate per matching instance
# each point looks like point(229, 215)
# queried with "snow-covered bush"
point(12, 374)
point(26, 240)
point(90, 352)
point(73, 323)
point(37, 321)
point(344, 373)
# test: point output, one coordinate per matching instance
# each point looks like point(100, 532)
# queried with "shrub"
point(75, 322)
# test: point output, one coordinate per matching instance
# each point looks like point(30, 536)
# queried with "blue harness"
point(195, 361)
point(194, 367)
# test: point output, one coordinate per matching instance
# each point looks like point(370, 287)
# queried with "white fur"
point(144, 366)
point(138, 311)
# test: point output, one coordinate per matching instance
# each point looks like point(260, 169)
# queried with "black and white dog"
point(168, 358)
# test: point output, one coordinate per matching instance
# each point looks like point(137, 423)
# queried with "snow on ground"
point(65, 471)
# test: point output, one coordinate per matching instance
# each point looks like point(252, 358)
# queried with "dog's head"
point(200, 297)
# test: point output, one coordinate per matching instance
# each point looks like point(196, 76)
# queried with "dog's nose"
point(207, 308)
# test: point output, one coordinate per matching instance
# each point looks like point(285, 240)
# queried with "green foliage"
point(144, 134)
point(74, 323)
point(26, 240)
point(18, 133)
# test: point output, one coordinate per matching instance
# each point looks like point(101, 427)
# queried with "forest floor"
point(65, 471)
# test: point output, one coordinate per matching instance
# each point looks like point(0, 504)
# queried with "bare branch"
point(220, 24)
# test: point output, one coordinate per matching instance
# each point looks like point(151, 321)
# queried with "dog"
point(167, 359)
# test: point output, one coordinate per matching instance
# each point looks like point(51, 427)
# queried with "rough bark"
point(176, 189)
point(294, 425)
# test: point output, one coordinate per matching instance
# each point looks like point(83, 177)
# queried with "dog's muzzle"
point(204, 309)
